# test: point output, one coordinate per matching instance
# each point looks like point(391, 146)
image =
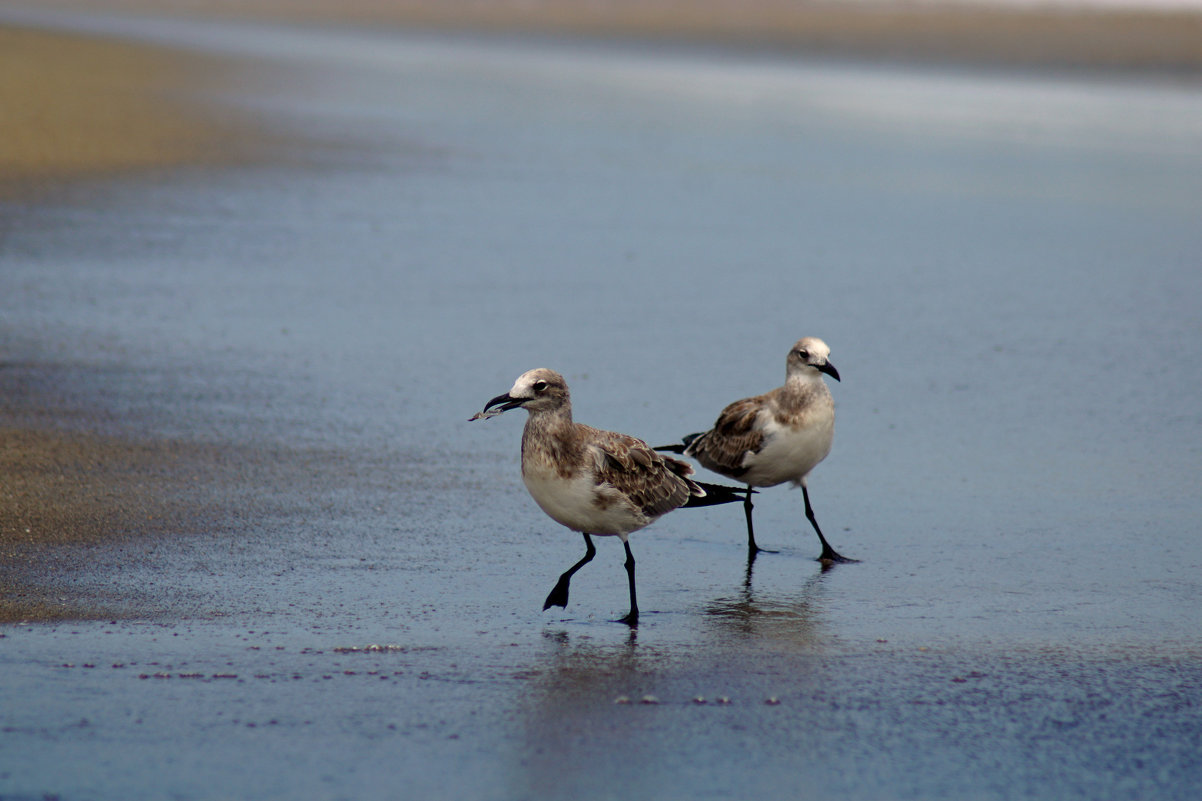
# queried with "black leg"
point(632, 618)
point(559, 593)
point(829, 554)
point(752, 548)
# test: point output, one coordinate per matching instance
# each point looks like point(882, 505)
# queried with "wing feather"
point(654, 483)
point(724, 447)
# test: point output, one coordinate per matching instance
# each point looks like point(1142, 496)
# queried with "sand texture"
point(77, 107)
point(977, 33)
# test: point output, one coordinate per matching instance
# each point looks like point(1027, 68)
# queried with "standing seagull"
point(594, 481)
point(775, 437)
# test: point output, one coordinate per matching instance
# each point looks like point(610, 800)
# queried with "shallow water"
point(1006, 268)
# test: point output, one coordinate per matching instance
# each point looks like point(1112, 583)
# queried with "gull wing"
point(654, 483)
point(736, 432)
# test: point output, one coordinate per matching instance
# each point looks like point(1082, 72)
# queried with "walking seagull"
point(592, 481)
point(775, 437)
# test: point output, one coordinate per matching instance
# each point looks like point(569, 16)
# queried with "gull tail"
point(679, 447)
point(718, 493)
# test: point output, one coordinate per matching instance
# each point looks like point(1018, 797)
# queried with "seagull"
point(595, 482)
point(775, 437)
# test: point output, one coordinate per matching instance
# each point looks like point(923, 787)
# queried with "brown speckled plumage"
point(617, 469)
point(776, 437)
point(592, 481)
point(654, 483)
point(734, 434)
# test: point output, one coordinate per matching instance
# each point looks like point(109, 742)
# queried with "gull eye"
point(540, 386)
point(804, 356)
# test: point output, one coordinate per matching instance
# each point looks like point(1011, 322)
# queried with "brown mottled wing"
point(723, 447)
point(655, 483)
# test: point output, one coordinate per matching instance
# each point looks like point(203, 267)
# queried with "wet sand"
point(977, 33)
point(69, 496)
point(94, 107)
point(88, 109)
point(85, 108)
point(268, 556)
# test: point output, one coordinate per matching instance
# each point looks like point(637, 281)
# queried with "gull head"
point(535, 390)
point(810, 353)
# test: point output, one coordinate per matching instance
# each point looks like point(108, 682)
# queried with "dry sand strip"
point(927, 30)
point(78, 107)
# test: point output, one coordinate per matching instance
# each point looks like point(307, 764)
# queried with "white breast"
point(574, 502)
point(789, 452)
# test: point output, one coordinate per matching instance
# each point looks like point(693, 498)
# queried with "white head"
point(808, 357)
point(537, 390)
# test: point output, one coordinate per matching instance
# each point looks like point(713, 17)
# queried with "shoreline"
point(66, 493)
point(74, 502)
point(1161, 38)
point(99, 106)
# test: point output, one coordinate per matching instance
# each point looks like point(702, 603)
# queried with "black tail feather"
point(719, 493)
point(681, 446)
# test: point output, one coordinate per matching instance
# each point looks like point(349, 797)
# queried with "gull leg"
point(829, 555)
point(632, 618)
point(559, 593)
point(752, 548)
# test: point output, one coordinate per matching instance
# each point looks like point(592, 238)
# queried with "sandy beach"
point(90, 107)
point(1030, 35)
point(255, 277)
point(93, 107)
point(85, 108)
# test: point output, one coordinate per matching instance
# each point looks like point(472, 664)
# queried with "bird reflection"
point(582, 664)
point(589, 701)
point(824, 567)
point(785, 618)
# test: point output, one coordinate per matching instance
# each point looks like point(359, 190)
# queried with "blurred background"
point(261, 260)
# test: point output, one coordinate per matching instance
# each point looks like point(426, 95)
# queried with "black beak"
point(830, 370)
point(505, 402)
